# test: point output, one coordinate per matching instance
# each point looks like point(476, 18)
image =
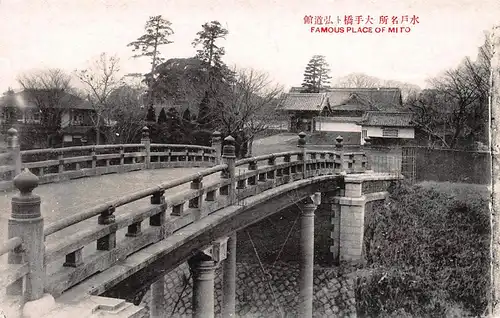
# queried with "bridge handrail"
point(183, 146)
point(59, 164)
point(167, 213)
point(265, 157)
point(138, 195)
point(79, 148)
point(6, 155)
point(10, 245)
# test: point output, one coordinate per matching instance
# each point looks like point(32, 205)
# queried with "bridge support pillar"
point(308, 207)
point(229, 279)
point(202, 268)
point(158, 299)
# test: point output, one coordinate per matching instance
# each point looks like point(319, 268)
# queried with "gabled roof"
point(387, 119)
point(304, 101)
point(365, 99)
point(383, 99)
point(25, 99)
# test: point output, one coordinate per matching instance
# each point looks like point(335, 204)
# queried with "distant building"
point(45, 120)
point(353, 113)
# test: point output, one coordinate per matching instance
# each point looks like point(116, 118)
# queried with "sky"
point(269, 36)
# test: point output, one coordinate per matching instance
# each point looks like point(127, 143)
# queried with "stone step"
point(126, 310)
point(107, 304)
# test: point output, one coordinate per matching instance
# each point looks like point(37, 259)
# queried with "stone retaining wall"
point(261, 296)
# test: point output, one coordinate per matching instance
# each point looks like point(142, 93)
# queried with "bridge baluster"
point(339, 147)
point(122, 155)
point(217, 144)
point(229, 157)
point(107, 242)
point(158, 219)
point(252, 165)
point(74, 259)
point(60, 157)
point(147, 147)
point(15, 150)
point(262, 177)
point(197, 184)
point(301, 143)
point(242, 184)
point(26, 222)
point(94, 158)
point(272, 160)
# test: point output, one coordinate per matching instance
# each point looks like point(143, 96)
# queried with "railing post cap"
point(229, 151)
point(26, 181)
point(145, 132)
point(216, 134)
point(229, 139)
point(339, 139)
point(302, 139)
point(12, 132)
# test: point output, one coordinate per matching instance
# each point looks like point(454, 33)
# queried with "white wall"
point(65, 118)
point(336, 126)
point(402, 132)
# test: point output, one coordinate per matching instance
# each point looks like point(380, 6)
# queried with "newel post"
point(217, 145)
point(26, 222)
point(15, 150)
point(367, 148)
point(147, 147)
point(340, 147)
point(301, 143)
point(229, 158)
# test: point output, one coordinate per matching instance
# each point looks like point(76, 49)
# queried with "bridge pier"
point(229, 279)
point(202, 267)
point(157, 306)
point(307, 208)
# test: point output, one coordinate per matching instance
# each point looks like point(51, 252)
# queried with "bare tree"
point(129, 113)
point(458, 87)
point(358, 80)
point(250, 105)
point(361, 80)
point(100, 79)
point(51, 92)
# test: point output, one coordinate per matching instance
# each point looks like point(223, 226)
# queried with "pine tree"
point(157, 31)
point(316, 75)
point(151, 115)
point(204, 113)
point(186, 116)
point(162, 117)
point(174, 127)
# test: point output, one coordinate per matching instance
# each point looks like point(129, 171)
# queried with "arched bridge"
point(118, 245)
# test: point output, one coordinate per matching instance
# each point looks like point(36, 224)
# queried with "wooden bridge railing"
point(172, 205)
point(57, 164)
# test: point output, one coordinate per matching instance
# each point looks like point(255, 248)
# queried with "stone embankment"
point(274, 294)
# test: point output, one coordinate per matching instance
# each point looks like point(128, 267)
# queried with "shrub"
point(434, 239)
point(202, 137)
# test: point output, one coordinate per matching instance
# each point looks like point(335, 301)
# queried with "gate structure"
point(408, 163)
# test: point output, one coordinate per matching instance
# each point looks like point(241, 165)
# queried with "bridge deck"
point(63, 199)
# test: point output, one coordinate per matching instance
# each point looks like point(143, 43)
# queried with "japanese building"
point(353, 113)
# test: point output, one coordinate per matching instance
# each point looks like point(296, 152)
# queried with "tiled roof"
point(384, 99)
point(367, 99)
point(304, 101)
point(28, 99)
point(340, 119)
point(387, 119)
